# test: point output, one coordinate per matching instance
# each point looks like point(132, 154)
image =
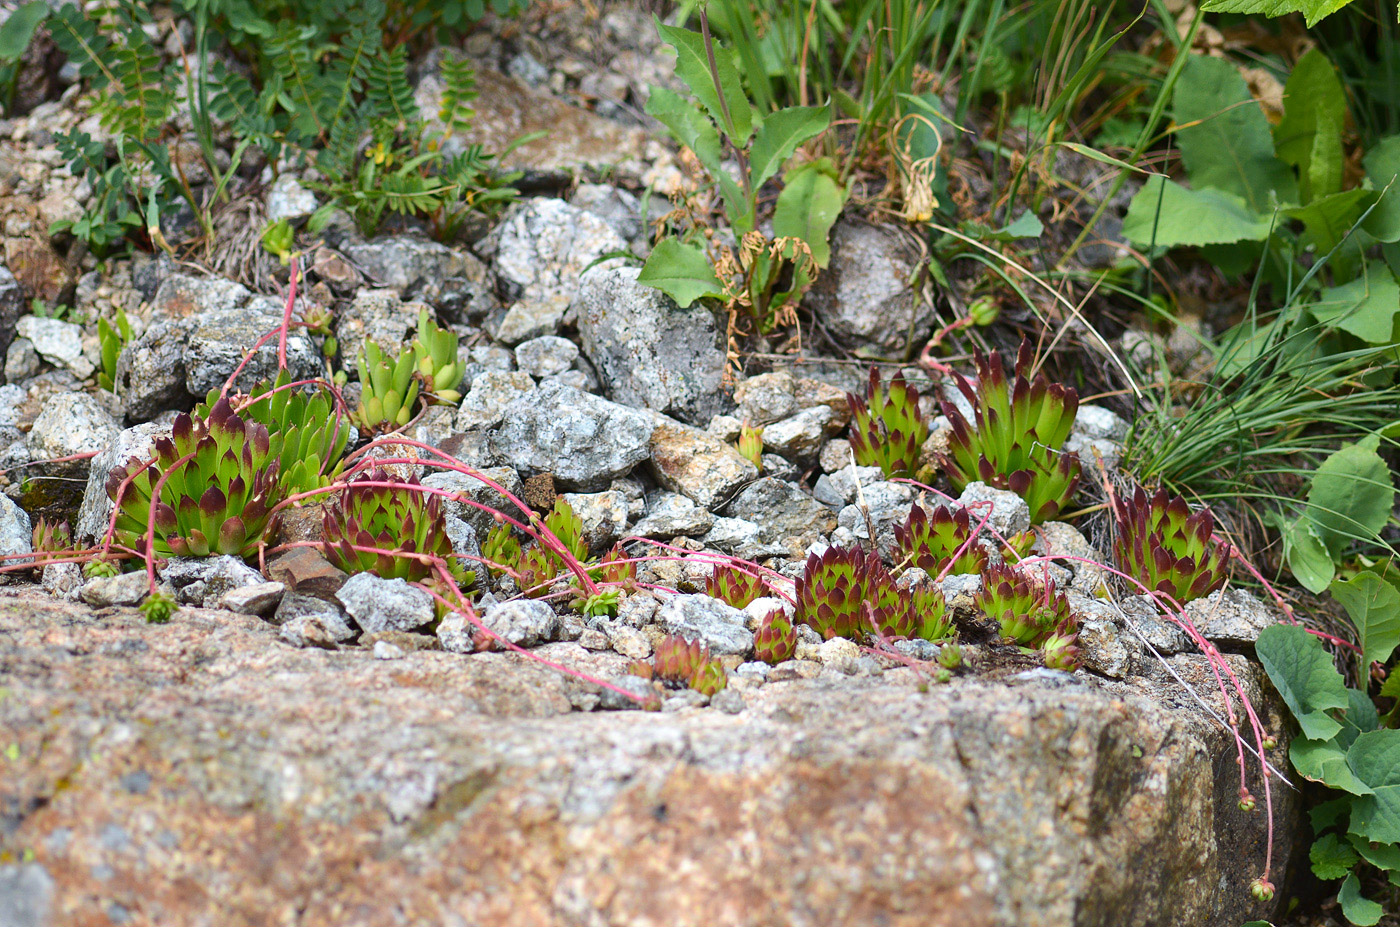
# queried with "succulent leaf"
point(1162, 544)
point(400, 518)
point(229, 476)
point(933, 540)
point(733, 586)
point(1014, 442)
point(887, 429)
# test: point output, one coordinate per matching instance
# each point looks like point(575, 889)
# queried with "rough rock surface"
point(648, 351)
point(439, 788)
point(865, 297)
point(583, 439)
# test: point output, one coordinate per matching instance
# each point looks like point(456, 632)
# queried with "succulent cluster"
point(435, 356)
point(1014, 443)
point(930, 541)
point(887, 429)
point(831, 591)
point(537, 567)
point(307, 438)
point(847, 592)
point(750, 445)
point(617, 568)
point(1031, 614)
point(1168, 548)
point(221, 485)
point(391, 386)
point(398, 517)
point(51, 539)
point(776, 638)
point(734, 586)
point(389, 389)
point(677, 660)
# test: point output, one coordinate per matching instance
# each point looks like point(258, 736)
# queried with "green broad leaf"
point(808, 206)
point(1382, 856)
point(1382, 164)
point(688, 125)
point(1309, 136)
point(1312, 10)
point(1328, 219)
point(780, 134)
point(1374, 607)
point(1331, 857)
point(1169, 215)
point(1351, 496)
point(1357, 908)
point(1307, 556)
point(1366, 307)
point(1303, 673)
point(1325, 761)
point(693, 67)
point(1375, 759)
point(1026, 225)
point(19, 29)
point(1328, 813)
point(681, 271)
point(1391, 687)
point(1225, 140)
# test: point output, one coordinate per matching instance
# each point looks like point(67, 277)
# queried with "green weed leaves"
point(1345, 747)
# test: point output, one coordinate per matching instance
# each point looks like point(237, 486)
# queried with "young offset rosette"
point(832, 590)
point(887, 429)
point(221, 486)
point(899, 613)
point(1030, 613)
point(399, 519)
point(930, 541)
point(1168, 548)
point(733, 586)
point(776, 639)
point(677, 660)
point(1015, 439)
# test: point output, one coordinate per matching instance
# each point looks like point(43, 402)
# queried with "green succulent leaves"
point(221, 482)
point(391, 386)
point(1015, 439)
point(1030, 613)
point(847, 592)
point(389, 389)
point(403, 524)
point(733, 586)
point(942, 540)
point(1168, 548)
point(887, 429)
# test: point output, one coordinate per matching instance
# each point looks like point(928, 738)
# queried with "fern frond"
point(458, 90)
point(293, 58)
point(388, 91)
point(349, 67)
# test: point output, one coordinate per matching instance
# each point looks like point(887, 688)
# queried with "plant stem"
point(729, 130)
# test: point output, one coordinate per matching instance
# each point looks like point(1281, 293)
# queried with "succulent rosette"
point(1028, 611)
point(400, 518)
point(832, 590)
point(901, 613)
point(1014, 441)
point(221, 485)
point(887, 429)
point(733, 586)
point(307, 437)
point(930, 540)
point(1167, 547)
point(776, 638)
point(710, 679)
